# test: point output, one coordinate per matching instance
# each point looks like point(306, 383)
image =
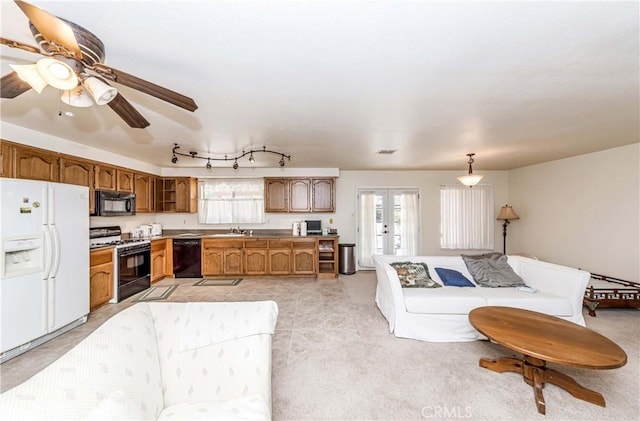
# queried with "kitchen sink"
point(188, 234)
point(229, 234)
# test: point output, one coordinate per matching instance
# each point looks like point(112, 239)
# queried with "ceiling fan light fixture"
point(57, 73)
point(76, 97)
point(100, 92)
point(29, 73)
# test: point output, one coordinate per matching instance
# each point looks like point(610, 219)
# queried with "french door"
point(388, 223)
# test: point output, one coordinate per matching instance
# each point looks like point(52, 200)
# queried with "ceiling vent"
point(387, 151)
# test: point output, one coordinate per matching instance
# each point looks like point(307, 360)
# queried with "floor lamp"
point(507, 214)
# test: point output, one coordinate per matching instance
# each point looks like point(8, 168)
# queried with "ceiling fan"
point(74, 63)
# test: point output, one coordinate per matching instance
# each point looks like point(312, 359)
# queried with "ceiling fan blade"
point(11, 85)
point(19, 45)
point(54, 30)
point(125, 110)
point(144, 86)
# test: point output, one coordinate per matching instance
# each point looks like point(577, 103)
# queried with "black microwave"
point(112, 203)
point(314, 226)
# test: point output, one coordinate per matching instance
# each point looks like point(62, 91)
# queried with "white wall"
point(428, 182)
point(582, 211)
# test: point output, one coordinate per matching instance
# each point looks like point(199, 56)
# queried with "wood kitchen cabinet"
point(80, 172)
point(276, 191)
point(304, 256)
point(125, 180)
point(323, 195)
point(106, 177)
point(179, 195)
point(144, 188)
point(35, 164)
point(301, 195)
point(279, 257)
point(160, 259)
point(222, 257)
point(327, 257)
point(100, 277)
point(6, 159)
point(255, 257)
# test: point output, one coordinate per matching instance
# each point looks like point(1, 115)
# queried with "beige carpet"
point(334, 359)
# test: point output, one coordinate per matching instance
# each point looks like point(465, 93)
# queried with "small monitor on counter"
point(314, 226)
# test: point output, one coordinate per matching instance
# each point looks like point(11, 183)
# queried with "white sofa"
point(159, 361)
point(441, 314)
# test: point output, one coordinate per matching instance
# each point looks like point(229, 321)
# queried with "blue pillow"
point(453, 278)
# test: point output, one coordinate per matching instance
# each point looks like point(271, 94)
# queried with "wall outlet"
point(331, 220)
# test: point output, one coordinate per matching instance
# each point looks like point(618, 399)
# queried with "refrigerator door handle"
point(48, 252)
point(51, 293)
point(56, 250)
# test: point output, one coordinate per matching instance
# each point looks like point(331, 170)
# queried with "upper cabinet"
point(106, 177)
point(299, 194)
point(299, 198)
point(35, 164)
point(323, 195)
point(276, 195)
point(124, 180)
point(144, 188)
point(179, 195)
point(6, 159)
point(79, 172)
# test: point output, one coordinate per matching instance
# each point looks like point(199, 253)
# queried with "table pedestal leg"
point(535, 373)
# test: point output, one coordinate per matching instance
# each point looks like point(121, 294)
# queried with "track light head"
point(208, 163)
point(251, 158)
point(281, 162)
point(174, 159)
point(235, 164)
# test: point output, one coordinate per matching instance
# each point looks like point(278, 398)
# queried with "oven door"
point(133, 272)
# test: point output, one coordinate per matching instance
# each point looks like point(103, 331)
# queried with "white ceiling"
point(332, 82)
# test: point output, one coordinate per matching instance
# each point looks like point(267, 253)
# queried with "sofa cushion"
point(542, 302)
point(492, 270)
point(445, 300)
point(453, 278)
point(244, 408)
point(414, 275)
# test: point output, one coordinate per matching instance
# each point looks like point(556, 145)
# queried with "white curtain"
point(409, 224)
point(466, 217)
point(367, 229)
point(231, 201)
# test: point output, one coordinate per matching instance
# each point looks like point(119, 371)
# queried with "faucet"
point(237, 230)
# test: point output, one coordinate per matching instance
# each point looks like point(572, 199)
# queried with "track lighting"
point(252, 160)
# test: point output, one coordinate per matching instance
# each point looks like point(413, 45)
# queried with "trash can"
point(346, 259)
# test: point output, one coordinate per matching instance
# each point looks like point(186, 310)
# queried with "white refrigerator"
point(44, 262)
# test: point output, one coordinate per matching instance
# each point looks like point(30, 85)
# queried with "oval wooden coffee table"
point(541, 338)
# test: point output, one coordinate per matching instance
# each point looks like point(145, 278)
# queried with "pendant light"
point(470, 179)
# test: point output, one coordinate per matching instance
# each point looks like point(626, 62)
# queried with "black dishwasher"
point(186, 258)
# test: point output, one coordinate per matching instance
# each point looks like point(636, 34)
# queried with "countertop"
point(223, 234)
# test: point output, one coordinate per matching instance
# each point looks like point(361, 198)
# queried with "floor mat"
point(158, 293)
point(212, 282)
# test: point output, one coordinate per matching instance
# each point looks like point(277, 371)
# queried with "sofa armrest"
point(554, 279)
point(217, 371)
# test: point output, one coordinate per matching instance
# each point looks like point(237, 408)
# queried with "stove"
point(131, 257)
point(111, 236)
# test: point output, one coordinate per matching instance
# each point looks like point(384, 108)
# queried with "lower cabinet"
point(255, 257)
point(159, 260)
point(222, 257)
point(100, 277)
point(279, 261)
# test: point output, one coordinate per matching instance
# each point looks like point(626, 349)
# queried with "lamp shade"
point(470, 179)
point(29, 73)
point(76, 97)
point(100, 91)
point(507, 213)
point(57, 73)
